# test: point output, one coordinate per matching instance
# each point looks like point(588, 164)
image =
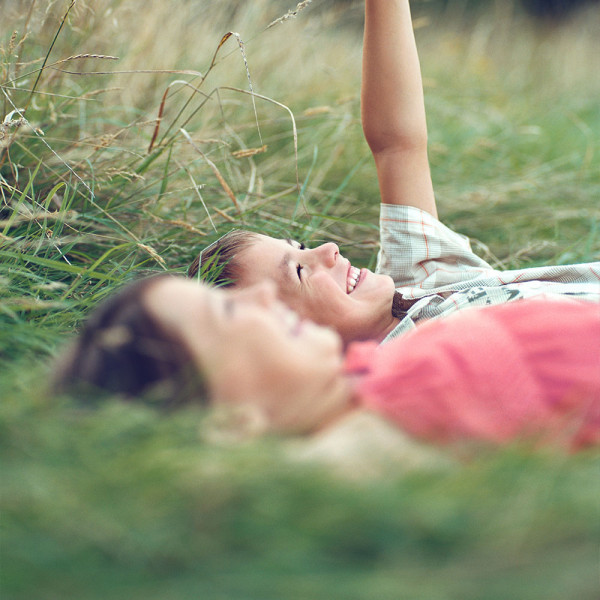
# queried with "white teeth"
point(353, 275)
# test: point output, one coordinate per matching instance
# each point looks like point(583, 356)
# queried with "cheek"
point(251, 376)
point(282, 379)
point(314, 301)
point(325, 293)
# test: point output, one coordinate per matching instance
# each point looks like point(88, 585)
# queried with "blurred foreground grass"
point(124, 503)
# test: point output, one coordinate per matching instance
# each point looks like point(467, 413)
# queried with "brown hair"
point(217, 263)
point(122, 349)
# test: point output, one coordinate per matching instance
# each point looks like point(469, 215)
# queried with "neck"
point(390, 326)
point(375, 335)
point(399, 310)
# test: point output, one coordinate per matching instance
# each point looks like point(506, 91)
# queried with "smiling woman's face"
point(252, 349)
point(321, 285)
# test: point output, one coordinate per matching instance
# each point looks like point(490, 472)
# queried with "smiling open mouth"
point(352, 278)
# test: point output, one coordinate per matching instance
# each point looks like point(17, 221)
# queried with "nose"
point(327, 253)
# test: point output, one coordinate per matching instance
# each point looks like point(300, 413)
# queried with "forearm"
point(393, 111)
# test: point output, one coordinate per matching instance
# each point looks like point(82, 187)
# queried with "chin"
point(375, 288)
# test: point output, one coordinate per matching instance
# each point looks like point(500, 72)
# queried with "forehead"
point(266, 259)
point(179, 296)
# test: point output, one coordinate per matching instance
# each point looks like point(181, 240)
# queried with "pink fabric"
point(524, 369)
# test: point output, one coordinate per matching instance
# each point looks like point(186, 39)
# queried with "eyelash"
point(299, 267)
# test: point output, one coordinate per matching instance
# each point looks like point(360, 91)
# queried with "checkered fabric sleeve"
point(436, 267)
point(419, 251)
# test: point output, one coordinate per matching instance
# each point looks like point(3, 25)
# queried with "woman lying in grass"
point(425, 270)
point(524, 370)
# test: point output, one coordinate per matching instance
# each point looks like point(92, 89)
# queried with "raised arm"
point(392, 105)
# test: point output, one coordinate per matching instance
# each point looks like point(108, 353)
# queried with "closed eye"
point(300, 246)
point(228, 307)
point(294, 244)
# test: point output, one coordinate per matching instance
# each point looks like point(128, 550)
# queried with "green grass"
point(125, 503)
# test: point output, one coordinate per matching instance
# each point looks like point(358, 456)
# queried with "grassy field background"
point(131, 138)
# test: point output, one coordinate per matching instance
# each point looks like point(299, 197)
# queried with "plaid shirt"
point(436, 266)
